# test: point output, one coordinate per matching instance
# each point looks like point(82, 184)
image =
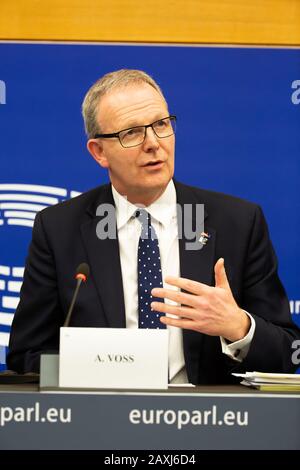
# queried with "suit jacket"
point(65, 236)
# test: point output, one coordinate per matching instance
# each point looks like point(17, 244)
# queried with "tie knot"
point(147, 230)
point(143, 217)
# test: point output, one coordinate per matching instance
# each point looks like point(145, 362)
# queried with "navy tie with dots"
point(149, 272)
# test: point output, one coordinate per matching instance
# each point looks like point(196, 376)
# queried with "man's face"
point(140, 173)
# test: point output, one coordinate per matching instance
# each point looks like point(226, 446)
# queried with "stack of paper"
point(271, 382)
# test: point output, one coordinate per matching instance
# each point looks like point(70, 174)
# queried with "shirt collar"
point(163, 209)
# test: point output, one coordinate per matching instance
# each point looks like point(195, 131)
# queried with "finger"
point(184, 324)
point(176, 296)
point(188, 285)
point(220, 275)
point(183, 312)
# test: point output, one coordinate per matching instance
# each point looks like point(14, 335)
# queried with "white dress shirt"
point(164, 220)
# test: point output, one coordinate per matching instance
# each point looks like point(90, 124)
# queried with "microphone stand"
point(68, 317)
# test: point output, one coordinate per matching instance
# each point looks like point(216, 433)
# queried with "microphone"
point(82, 274)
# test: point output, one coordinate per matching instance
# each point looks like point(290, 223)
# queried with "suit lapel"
point(197, 265)
point(104, 260)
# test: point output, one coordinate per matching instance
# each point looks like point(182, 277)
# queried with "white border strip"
point(160, 394)
point(154, 44)
point(167, 394)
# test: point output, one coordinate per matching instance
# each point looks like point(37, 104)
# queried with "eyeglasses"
point(135, 136)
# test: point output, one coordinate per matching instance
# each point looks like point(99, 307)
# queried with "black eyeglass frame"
point(172, 117)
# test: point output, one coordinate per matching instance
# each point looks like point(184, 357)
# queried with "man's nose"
point(151, 139)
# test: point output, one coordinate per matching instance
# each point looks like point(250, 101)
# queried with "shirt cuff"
point(239, 349)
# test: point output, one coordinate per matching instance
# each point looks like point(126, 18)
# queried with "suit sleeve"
point(36, 323)
point(264, 297)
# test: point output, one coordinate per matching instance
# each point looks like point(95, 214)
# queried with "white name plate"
point(115, 358)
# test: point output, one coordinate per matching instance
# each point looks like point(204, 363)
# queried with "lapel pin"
point(204, 237)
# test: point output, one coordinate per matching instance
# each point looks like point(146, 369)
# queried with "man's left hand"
point(209, 310)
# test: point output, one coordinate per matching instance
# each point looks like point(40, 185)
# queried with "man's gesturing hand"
point(209, 310)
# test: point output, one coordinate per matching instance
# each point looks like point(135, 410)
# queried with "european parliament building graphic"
point(19, 204)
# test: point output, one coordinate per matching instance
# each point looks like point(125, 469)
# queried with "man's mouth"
point(155, 163)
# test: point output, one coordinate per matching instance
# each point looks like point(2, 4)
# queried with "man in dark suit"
point(219, 321)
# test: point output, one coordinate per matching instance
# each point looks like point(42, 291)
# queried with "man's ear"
point(96, 150)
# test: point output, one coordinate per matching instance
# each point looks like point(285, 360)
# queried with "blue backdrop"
point(238, 115)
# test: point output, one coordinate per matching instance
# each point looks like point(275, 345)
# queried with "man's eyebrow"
point(131, 124)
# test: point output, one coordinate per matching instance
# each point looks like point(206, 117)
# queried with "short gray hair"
point(117, 79)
